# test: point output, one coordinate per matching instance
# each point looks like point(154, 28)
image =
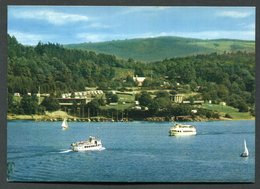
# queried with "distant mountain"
point(153, 49)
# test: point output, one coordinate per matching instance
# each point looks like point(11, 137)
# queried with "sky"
point(79, 24)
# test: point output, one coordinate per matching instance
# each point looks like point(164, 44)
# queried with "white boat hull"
point(182, 133)
point(244, 154)
point(82, 148)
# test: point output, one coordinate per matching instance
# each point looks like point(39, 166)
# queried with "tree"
point(29, 105)
point(222, 92)
point(152, 83)
point(110, 97)
point(129, 82)
point(139, 72)
point(242, 106)
point(153, 108)
point(180, 110)
point(102, 101)
point(145, 99)
point(162, 94)
point(51, 104)
point(13, 105)
point(10, 102)
point(185, 71)
point(93, 107)
point(163, 102)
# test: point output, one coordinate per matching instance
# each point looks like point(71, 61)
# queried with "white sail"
point(245, 153)
point(64, 124)
point(245, 150)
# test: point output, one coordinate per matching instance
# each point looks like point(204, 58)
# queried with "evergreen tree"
point(29, 105)
point(51, 104)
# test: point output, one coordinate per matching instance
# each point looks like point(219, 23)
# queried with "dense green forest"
point(228, 77)
point(56, 69)
point(152, 49)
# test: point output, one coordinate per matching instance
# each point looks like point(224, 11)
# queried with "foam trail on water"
point(103, 148)
point(65, 151)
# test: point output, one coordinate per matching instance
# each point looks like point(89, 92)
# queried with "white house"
point(139, 80)
point(178, 98)
point(16, 94)
point(223, 103)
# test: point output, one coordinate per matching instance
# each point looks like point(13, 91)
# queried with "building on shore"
point(178, 98)
point(82, 94)
point(17, 94)
point(78, 98)
point(139, 80)
point(223, 103)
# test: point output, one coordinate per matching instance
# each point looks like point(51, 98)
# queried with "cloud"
point(29, 38)
point(153, 9)
point(250, 26)
point(234, 14)
point(101, 37)
point(91, 37)
point(53, 17)
point(98, 26)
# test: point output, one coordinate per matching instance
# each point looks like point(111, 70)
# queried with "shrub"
point(228, 116)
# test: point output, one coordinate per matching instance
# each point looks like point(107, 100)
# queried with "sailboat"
point(64, 124)
point(245, 153)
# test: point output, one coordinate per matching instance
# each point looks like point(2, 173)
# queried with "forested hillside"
point(218, 77)
point(56, 69)
point(154, 49)
point(228, 77)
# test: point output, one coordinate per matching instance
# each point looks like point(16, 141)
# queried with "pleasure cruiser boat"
point(182, 130)
point(91, 144)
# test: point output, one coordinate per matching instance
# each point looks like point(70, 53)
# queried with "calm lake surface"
point(135, 152)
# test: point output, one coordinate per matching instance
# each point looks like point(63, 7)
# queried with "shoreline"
point(59, 117)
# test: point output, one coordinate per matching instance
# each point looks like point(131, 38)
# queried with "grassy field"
point(118, 107)
point(125, 101)
point(233, 112)
point(126, 98)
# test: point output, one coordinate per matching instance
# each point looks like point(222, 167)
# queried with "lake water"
point(135, 152)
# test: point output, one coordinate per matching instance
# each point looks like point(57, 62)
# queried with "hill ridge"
point(159, 48)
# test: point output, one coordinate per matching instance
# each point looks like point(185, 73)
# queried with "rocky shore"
point(183, 118)
point(60, 115)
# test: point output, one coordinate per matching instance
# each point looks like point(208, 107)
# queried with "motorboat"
point(92, 143)
point(182, 130)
